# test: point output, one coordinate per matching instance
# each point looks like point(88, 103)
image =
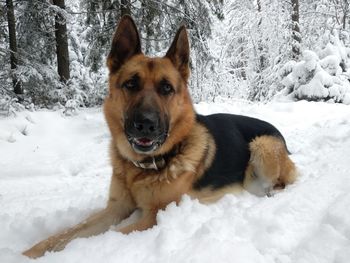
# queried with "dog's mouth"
point(146, 145)
point(143, 142)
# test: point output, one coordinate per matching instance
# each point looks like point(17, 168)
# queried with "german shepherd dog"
point(161, 149)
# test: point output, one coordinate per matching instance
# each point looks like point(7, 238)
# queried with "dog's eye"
point(165, 88)
point(132, 84)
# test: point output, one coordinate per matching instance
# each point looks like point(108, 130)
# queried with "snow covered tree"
point(238, 48)
point(157, 22)
point(101, 18)
point(37, 51)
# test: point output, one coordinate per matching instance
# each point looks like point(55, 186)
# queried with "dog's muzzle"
point(146, 131)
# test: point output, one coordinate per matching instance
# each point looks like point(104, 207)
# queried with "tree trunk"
point(295, 30)
point(262, 59)
point(345, 12)
point(259, 5)
point(17, 87)
point(243, 61)
point(61, 43)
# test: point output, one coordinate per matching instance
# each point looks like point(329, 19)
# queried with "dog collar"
point(157, 162)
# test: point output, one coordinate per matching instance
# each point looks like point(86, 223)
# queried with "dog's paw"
point(36, 251)
point(50, 244)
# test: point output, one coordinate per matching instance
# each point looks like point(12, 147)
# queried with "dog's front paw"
point(36, 251)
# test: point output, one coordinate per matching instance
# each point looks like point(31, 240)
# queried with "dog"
point(161, 149)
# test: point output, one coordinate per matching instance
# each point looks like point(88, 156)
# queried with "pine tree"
point(37, 49)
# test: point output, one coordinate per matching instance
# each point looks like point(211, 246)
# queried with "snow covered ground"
point(54, 171)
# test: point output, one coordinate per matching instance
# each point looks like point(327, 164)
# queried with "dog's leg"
point(119, 207)
point(147, 220)
point(97, 223)
point(269, 167)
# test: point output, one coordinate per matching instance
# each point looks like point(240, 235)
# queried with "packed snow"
point(54, 172)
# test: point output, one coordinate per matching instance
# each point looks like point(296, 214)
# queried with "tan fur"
point(269, 166)
point(151, 190)
point(209, 195)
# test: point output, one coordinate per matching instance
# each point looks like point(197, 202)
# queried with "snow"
point(317, 87)
point(331, 65)
point(311, 60)
point(315, 79)
point(55, 172)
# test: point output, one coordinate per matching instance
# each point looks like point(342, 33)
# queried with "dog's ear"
point(179, 52)
point(126, 43)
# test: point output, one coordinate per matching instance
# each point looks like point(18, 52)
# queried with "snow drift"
point(55, 172)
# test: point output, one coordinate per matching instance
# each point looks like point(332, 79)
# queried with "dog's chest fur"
point(152, 189)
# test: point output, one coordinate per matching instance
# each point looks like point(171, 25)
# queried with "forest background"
point(53, 52)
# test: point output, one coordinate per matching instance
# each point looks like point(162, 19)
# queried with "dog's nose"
point(146, 123)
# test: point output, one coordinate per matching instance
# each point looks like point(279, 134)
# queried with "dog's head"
point(148, 108)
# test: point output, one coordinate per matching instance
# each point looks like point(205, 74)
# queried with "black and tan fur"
point(204, 157)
